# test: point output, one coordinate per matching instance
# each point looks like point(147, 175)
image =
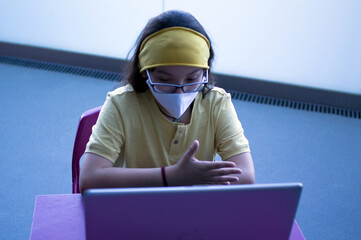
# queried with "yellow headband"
point(174, 46)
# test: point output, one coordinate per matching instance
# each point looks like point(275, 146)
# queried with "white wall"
point(310, 43)
point(100, 27)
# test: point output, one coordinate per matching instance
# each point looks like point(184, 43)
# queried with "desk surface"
point(62, 217)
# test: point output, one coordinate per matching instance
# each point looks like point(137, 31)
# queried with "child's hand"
point(190, 171)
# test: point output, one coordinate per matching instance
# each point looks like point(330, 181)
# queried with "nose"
point(179, 90)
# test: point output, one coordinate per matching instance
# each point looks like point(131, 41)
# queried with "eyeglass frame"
point(200, 88)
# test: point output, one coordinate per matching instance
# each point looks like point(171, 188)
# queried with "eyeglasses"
point(172, 88)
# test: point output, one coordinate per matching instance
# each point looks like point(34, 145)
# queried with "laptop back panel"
point(255, 211)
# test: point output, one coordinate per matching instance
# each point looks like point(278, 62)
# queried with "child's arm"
point(245, 163)
point(98, 172)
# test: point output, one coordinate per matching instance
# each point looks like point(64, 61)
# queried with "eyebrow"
point(169, 74)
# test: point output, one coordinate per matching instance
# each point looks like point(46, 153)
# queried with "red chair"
point(86, 122)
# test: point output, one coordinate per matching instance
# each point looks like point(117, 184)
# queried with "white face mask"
point(175, 103)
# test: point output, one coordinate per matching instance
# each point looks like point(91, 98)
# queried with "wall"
point(307, 43)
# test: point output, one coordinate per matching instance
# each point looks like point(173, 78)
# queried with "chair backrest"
point(86, 122)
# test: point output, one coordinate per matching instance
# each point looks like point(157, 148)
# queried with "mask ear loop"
point(206, 76)
point(148, 76)
point(206, 84)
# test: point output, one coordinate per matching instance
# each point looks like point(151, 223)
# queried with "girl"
point(167, 123)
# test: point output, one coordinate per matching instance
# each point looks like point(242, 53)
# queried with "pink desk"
point(62, 217)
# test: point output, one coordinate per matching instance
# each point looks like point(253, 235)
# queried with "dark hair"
point(166, 19)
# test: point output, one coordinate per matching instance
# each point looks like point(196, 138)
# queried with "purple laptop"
point(259, 211)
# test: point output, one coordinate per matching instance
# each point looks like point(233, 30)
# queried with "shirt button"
point(175, 142)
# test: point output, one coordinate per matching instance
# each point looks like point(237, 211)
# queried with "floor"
point(39, 115)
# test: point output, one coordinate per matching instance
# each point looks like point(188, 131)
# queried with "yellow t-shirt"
point(132, 132)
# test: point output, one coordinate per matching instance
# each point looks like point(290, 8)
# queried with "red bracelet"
point(165, 183)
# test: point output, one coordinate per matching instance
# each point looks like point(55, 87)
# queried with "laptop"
point(257, 211)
